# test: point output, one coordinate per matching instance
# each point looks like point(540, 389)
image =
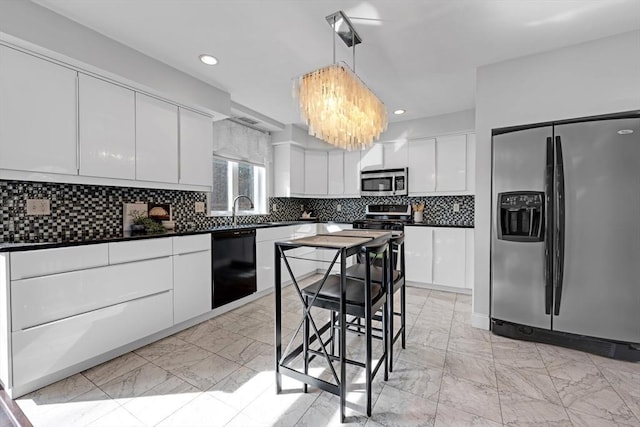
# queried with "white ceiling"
point(419, 55)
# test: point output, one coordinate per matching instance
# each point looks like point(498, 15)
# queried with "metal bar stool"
point(396, 275)
point(363, 299)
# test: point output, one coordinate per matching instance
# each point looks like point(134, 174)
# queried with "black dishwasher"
point(233, 265)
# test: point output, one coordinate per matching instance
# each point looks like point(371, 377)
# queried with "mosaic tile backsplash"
point(89, 211)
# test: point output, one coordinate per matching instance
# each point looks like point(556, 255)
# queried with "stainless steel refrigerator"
point(565, 242)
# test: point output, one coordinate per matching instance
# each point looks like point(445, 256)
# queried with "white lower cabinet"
point(191, 283)
point(449, 257)
point(418, 250)
point(440, 256)
point(264, 264)
point(49, 348)
point(69, 305)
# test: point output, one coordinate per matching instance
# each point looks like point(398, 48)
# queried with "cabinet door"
point(352, 173)
point(373, 158)
point(470, 261)
point(264, 264)
point(449, 259)
point(297, 169)
point(471, 163)
point(107, 129)
point(422, 166)
point(156, 140)
point(315, 173)
point(37, 114)
point(395, 154)
point(336, 173)
point(196, 148)
point(418, 247)
point(191, 285)
point(451, 163)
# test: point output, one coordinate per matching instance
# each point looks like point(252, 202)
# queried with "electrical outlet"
point(301, 208)
point(199, 207)
point(456, 207)
point(274, 207)
point(338, 208)
point(38, 207)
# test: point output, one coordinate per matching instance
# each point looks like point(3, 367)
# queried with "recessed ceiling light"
point(625, 131)
point(208, 59)
point(399, 111)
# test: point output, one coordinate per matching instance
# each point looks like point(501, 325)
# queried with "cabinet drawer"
point(58, 260)
point(274, 233)
point(120, 252)
point(304, 230)
point(44, 299)
point(49, 348)
point(186, 244)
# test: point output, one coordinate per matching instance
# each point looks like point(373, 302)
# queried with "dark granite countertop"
point(430, 224)
point(90, 240)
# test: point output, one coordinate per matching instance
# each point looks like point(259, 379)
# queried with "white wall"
point(598, 77)
point(41, 27)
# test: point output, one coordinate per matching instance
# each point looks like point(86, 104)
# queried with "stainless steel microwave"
point(384, 182)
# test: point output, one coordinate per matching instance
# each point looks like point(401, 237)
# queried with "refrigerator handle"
point(560, 227)
point(548, 229)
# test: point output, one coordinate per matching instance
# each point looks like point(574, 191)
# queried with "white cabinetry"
point(373, 158)
point(66, 313)
point(107, 129)
point(265, 254)
point(336, 173)
point(395, 155)
point(196, 148)
point(156, 140)
point(315, 173)
point(418, 247)
point(352, 173)
point(37, 114)
point(422, 166)
point(441, 256)
point(451, 163)
point(449, 257)
point(288, 170)
point(191, 276)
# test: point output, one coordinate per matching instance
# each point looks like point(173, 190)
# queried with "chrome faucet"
point(234, 221)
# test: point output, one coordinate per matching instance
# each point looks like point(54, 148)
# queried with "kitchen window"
point(233, 178)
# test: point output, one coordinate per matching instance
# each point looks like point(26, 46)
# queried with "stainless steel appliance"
point(233, 264)
point(384, 182)
point(385, 217)
point(565, 246)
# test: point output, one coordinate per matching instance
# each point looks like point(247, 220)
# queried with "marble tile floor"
point(220, 373)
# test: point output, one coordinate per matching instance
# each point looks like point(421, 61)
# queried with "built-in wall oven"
point(384, 182)
point(233, 264)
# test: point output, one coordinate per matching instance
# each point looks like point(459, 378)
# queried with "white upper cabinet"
point(471, 163)
point(352, 173)
point(196, 148)
point(451, 161)
point(395, 155)
point(336, 173)
point(422, 166)
point(288, 170)
point(107, 129)
point(315, 173)
point(38, 124)
point(373, 158)
point(156, 140)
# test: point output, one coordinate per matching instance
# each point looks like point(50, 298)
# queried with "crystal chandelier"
point(335, 104)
